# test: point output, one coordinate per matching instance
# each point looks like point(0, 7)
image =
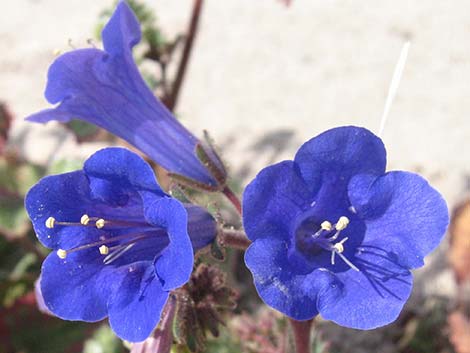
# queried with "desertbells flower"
point(104, 87)
point(121, 244)
point(333, 234)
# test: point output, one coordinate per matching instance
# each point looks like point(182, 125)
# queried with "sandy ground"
point(265, 78)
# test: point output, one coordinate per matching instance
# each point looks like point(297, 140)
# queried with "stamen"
point(339, 226)
point(104, 250)
point(338, 248)
point(326, 226)
point(342, 223)
point(100, 223)
point(62, 253)
point(114, 252)
point(348, 262)
point(50, 222)
point(85, 220)
point(117, 254)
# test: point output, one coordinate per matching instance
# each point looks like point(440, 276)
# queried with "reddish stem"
point(172, 98)
point(233, 198)
point(301, 331)
point(234, 239)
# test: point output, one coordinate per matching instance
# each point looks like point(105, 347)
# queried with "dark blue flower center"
point(312, 238)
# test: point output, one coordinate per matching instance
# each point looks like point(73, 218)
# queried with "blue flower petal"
point(106, 89)
point(116, 172)
point(405, 210)
point(175, 263)
point(135, 307)
point(202, 227)
point(77, 288)
point(122, 32)
point(65, 197)
point(341, 153)
point(273, 199)
point(372, 297)
point(281, 286)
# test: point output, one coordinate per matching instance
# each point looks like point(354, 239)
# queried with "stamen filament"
point(99, 223)
point(338, 248)
point(99, 243)
point(348, 262)
point(51, 222)
point(117, 254)
point(334, 237)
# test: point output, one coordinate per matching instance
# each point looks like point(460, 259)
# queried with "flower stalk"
point(171, 99)
point(234, 200)
point(301, 330)
point(232, 238)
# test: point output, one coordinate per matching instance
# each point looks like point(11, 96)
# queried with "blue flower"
point(104, 87)
point(333, 234)
point(121, 244)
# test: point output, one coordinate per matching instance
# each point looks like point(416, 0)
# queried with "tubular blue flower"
point(104, 87)
point(334, 234)
point(121, 244)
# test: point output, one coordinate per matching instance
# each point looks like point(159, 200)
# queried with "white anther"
point(104, 250)
point(56, 52)
point(326, 226)
point(342, 223)
point(100, 223)
point(85, 220)
point(338, 247)
point(50, 222)
point(62, 253)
